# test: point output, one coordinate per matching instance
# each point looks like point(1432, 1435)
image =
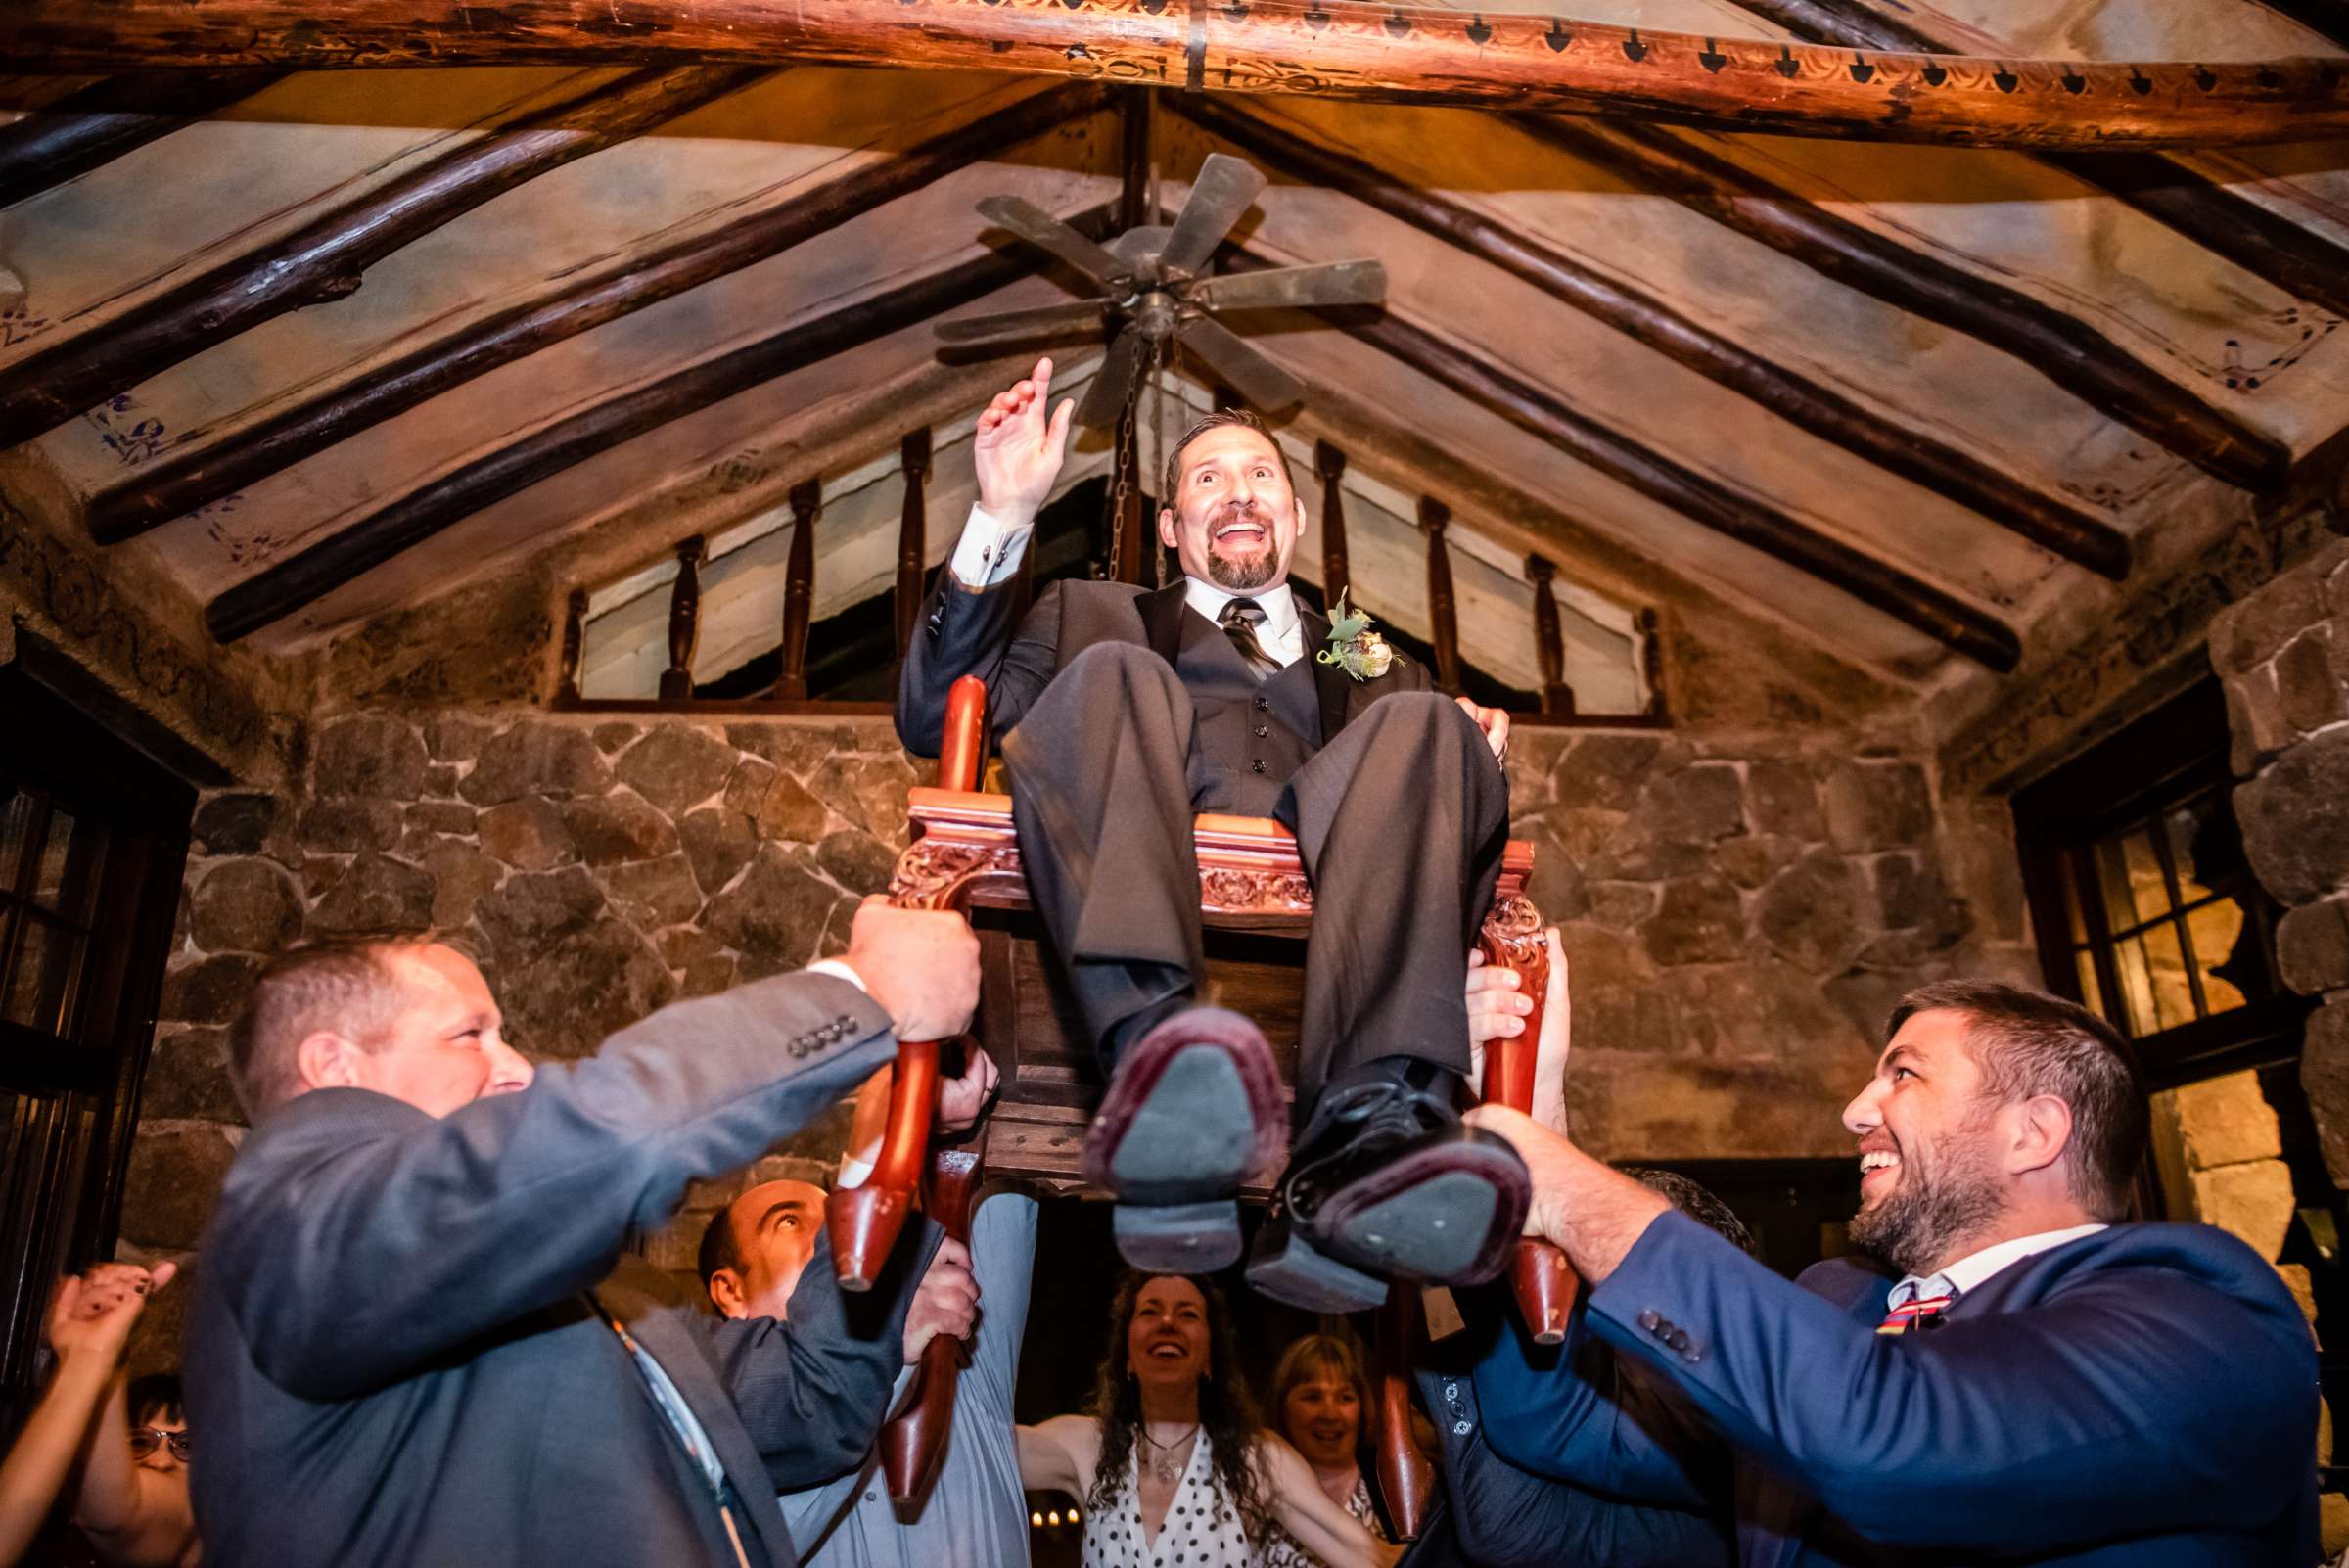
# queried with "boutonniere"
point(1353, 646)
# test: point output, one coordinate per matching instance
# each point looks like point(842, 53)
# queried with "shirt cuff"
point(839, 971)
point(987, 555)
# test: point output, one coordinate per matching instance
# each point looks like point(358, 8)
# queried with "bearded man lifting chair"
point(1121, 713)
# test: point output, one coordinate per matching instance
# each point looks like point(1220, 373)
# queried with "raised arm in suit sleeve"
point(812, 1390)
point(2171, 1387)
point(361, 1239)
point(1577, 1413)
point(969, 631)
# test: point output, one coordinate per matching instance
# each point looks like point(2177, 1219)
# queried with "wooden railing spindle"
point(1330, 464)
point(684, 621)
point(575, 632)
point(1550, 638)
point(1434, 518)
point(799, 590)
point(912, 537)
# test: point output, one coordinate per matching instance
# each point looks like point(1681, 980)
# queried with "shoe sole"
point(1190, 1113)
point(1292, 1270)
point(1188, 1238)
point(1443, 1215)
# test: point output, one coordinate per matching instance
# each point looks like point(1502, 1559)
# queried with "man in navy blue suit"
point(2020, 1377)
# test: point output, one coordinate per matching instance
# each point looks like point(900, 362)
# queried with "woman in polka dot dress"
point(1172, 1465)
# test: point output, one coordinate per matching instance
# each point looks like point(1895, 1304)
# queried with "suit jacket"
point(400, 1346)
point(2145, 1396)
point(969, 631)
point(1500, 1515)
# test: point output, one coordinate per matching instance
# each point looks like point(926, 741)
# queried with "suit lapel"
point(1331, 683)
point(687, 1366)
point(1162, 616)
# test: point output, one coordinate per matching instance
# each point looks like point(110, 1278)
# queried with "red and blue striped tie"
point(1916, 1312)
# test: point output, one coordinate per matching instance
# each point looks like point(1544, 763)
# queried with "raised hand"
point(1018, 451)
point(92, 1313)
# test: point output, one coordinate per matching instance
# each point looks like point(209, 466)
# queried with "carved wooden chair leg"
point(1407, 1477)
point(915, 1438)
point(864, 1220)
point(1513, 937)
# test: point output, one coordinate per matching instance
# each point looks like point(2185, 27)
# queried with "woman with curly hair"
point(1171, 1459)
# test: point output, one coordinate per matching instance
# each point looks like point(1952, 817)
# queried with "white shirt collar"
point(1974, 1268)
point(1276, 601)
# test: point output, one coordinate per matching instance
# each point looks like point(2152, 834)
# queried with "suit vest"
point(1249, 736)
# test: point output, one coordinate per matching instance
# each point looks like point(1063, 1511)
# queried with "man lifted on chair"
point(1121, 713)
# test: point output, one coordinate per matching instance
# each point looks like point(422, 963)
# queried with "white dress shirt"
point(989, 553)
point(1976, 1267)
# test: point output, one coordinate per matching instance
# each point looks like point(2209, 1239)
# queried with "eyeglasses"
point(145, 1439)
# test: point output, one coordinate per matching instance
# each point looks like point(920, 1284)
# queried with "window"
point(2146, 906)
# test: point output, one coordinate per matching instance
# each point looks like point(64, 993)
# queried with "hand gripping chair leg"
point(864, 1220)
point(1539, 1272)
point(914, 1439)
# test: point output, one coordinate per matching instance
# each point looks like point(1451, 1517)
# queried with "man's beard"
point(1243, 573)
point(1931, 1206)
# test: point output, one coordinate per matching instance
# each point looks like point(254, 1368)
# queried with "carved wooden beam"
point(1327, 48)
point(2070, 353)
point(1697, 496)
point(286, 586)
point(1818, 409)
point(108, 119)
point(2253, 237)
point(156, 492)
point(325, 258)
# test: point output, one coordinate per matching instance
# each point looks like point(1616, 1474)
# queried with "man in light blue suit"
point(2022, 1377)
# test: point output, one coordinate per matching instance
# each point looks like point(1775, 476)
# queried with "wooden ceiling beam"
point(326, 257)
point(155, 492)
point(1362, 49)
point(106, 119)
point(2259, 240)
point(2326, 18)
point(2068, 351)
point(1814, 408)
point(301, 578)
point(1698, 497)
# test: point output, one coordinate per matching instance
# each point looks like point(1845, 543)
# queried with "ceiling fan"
point(1153, 287)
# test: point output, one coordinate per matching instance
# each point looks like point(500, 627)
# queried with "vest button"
point(1262, 731)
point(1256, 767)
point(1263, 705)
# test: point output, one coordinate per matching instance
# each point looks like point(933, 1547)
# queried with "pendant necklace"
point(1163, 1463)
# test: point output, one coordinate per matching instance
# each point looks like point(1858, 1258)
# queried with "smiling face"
point(444, 1049)
point(775, 1227)
point(1167, 1341)
point(1232, 521)
point(1323, 1417)
point(1928, 1178)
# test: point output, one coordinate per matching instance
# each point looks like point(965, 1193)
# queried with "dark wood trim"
point(295, 580)
point(92, 127)
point(1332, 49)
point(1698, 497)
point(913, 543)
point(2303, 264)
point(2073, 532)
point(2068, 351)
point(1550, 637)
point(1330, 464)
point(325, 259)
point(685, 620)
point(178, 484)
point(1134, 157)
point(748, 707)
point(798, 591)
point(1443, 610)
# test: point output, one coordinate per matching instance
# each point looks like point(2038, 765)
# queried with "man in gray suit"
point(410, 1345)
point(1122, 712)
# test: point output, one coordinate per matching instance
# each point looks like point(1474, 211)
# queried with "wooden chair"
point(1255, 901)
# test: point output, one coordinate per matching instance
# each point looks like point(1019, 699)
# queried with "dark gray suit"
point(1121, 711)
point(399, 1351)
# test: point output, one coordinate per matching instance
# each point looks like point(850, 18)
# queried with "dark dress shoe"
point(1388, 1182)
point(1193, 1109)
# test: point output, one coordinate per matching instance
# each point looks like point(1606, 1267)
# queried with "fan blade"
point(1224, 190)
point(1042, 229)
point(1105, 399)
point(1327, 283)
point(1011, 326)
point(1260, 384)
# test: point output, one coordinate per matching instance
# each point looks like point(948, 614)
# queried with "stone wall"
point(2283, 654)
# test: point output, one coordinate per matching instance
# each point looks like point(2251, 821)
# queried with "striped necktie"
point(1239, 621)
point(1918, 1312)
